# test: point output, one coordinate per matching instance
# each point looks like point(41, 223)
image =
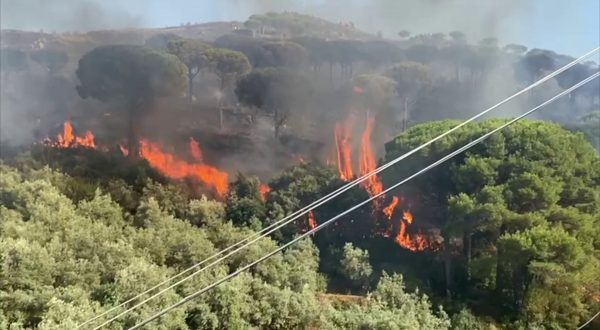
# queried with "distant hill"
point(281, 25)
point(291, 24)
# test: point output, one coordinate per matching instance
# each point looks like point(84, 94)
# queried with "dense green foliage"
point(519, 213)
point(515, 220)
point(63, 262)
point(132, 76)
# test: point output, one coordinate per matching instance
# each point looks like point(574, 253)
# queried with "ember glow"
point(264, 191)
point(312, 222)
point(175, 168)
point(69, 140)
point(389, 210)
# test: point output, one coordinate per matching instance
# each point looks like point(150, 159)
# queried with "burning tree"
point(131, 75)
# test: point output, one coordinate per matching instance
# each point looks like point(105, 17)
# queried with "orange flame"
point(175, 168)
point(417, 243)
point(312, 222)
point(343, 135)
point(264, 191)
point(408, 217)
point(389, 210)
point(373, 184)
point(124, 150)
point(195, 150)
point(69, 140)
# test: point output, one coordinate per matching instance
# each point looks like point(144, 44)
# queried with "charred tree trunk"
point(405, 115)
point(276, 125)
point(468, 238)
point(220, 102)
point(573, 97)
point(457, 71)
point(190, 89)
point(448, 269)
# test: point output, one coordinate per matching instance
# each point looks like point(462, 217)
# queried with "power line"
point(294, 216)
point(312, 231)
point(588, 321)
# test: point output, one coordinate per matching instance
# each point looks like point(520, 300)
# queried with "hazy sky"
point(567, 26)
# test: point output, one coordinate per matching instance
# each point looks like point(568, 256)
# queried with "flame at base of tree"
point(312, 221)
point(343, 147)
point(388, 211)
point(416, 242)
point(368, 162)
point(69, 140)
point(264, 191)
point(175, 168)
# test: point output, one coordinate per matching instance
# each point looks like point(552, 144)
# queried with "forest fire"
point(264, 191)
point(389, 210)
point(312, 222)
point(343, 146)
point(368, 163)
point(175, 168)
point(69, 140)
point(169, 165)
point(373, 185)
point(417, 242)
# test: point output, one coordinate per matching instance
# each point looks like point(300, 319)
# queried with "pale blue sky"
point(567, 26)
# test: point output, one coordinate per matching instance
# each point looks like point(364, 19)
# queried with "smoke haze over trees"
point(129, 154)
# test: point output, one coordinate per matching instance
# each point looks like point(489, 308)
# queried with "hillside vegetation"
point(128, 156)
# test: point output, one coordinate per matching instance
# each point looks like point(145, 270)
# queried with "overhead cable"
point(294, 216)
point(329, 221)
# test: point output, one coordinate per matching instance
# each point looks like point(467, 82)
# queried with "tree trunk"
point(405, 115)
point(468, 248)
point(190, 90)
point(220, 103)
point(277, 129)
point(448, 268)
point(572, 97)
